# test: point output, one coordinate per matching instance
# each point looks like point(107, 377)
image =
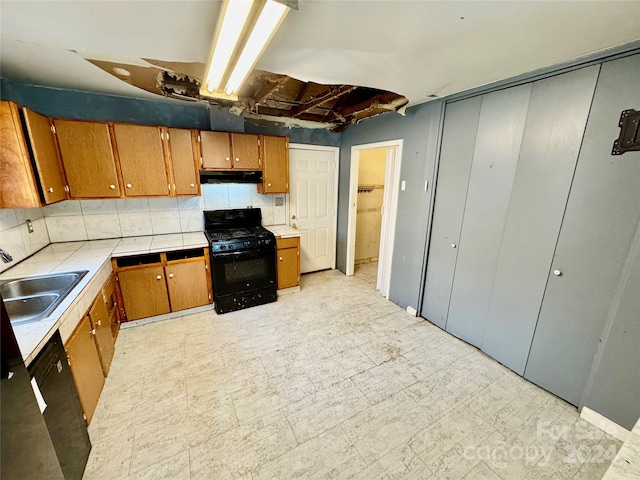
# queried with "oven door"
point(243, 271)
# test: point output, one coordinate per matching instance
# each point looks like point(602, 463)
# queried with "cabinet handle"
point(171, 275)
point(112, 187)
point(50, 189)
point(280, 258)
point(193, 185)
point(93, 332)
point(268, 184)
point(226, 158)
point(159, 277)
point(99, 323)
point(129, 185)
point(237, 159)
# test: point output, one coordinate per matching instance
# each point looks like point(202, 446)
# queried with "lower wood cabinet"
point(288, 264)
point(155, 284)
point(86, 367)
point(91, 347)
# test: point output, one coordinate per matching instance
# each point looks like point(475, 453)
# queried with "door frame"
point(336, 157)
point(388, 230)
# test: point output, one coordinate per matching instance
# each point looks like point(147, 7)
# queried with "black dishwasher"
point(63, 413)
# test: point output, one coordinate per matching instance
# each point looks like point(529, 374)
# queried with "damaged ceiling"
point(332, 62)
point(265, 98)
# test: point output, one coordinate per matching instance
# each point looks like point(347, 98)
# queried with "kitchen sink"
point(31, 299)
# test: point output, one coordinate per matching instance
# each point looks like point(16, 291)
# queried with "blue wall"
point(419, 130)
point(56, 102)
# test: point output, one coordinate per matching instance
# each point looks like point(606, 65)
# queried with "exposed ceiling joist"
point(319, 100)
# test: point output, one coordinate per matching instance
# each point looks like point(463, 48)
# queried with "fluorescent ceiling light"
point(244, 29)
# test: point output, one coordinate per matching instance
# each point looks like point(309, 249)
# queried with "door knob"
point(453, 245)
point(293, 217)
point(159, 277)
point(293, 225)
point(171, 275)
point(112, 187)
point(557, 273)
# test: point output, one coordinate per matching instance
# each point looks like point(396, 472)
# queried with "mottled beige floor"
point(331, 382)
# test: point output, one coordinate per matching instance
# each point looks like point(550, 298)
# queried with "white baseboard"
point(412, 311)
point(604, 424)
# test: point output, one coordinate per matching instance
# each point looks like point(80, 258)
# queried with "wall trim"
point(604, 424)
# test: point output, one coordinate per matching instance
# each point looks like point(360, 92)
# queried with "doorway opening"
point(373, 202)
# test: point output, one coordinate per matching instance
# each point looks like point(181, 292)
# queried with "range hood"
point(230, 176)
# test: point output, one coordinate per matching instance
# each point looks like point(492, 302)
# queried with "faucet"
point(6, 257)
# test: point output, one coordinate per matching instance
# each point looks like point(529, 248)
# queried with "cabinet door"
point(556, 119)
point(458, 141)
point(288, 262)
point(45, 154)
point(602, 214)
point(99, 317)
point(500, 129)
point(187, 284)
point(144, 292)
point(87, 156)
point(142, 162)
point(216, 150)
point(19, 188)
point(85, 367)
point(185, 169)
point(246, 154)
point(275, 165)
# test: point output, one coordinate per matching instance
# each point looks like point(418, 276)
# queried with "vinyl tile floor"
point(332, 382)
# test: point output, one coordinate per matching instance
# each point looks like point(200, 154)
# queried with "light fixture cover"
point(244, 29)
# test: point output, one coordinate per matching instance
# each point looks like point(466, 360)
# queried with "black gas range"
point(243, 259)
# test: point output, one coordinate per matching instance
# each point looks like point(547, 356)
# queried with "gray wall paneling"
point(599, 224)
point(556, 119)
point(498, 139)
point(614, 384)
point(420, 131)
point(456, 153)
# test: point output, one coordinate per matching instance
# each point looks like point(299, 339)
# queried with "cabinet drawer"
point(287, 242)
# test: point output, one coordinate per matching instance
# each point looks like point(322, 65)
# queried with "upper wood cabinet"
point(274, 152)
point(142, 161)
point(30, 168)
point(183, 160)
point(45, 155)
point(88, 159)
point(245, 151)
point(19, 189)
point(224, 151)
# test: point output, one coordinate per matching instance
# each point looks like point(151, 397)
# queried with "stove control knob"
point(223, 247)
point(247, 244)
point(231, 247)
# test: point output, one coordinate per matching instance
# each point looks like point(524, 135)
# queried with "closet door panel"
point(556, 119)
point(602, 214)
point(500, 130)
point(458, 141)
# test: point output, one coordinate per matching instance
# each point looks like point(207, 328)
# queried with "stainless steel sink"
point(33, 298)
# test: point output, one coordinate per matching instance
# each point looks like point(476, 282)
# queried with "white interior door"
point(313, 205)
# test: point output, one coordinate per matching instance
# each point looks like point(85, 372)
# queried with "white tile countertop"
point(94, 256)
point(626, 464)
point(283, 231)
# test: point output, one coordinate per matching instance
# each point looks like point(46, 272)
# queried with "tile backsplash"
point(76, 220)
point(15, 237)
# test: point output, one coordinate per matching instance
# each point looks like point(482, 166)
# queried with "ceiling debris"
point(266, 98)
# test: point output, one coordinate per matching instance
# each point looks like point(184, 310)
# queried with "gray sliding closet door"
point(558, 111)
point(598, 227)
point(456, 153)
point(498, 139)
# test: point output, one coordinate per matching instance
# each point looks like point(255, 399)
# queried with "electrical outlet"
point(29, 225)
point(279, 201)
